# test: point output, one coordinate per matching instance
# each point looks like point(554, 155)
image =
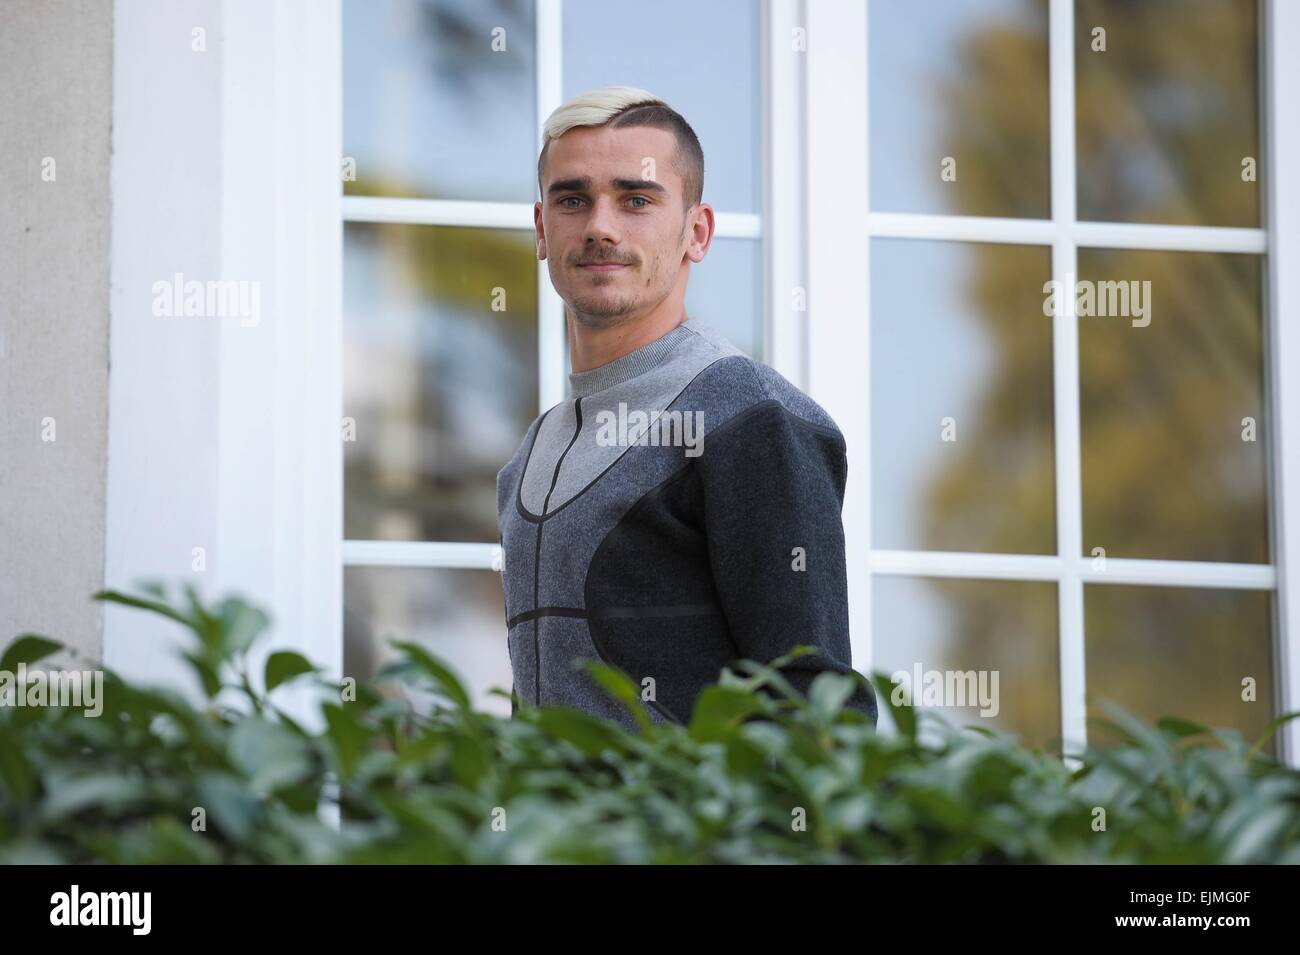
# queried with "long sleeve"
point(773, 488)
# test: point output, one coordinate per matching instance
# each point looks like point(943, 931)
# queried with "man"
point(680, 511)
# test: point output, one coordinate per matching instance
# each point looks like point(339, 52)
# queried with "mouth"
point(602, 266)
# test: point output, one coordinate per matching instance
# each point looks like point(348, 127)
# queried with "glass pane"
point(459, 615)
point(440, 376)
point(700, 58)
point(958, 106)
point(1008, 628)
point(1175, 651)
point(1172, 405)
point(1168, 111)
point(724, 292)
point(439, 99)
point(961, 398)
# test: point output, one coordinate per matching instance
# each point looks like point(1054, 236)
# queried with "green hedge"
point(756, 776)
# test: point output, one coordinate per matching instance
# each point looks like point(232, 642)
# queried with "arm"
point(773, 488)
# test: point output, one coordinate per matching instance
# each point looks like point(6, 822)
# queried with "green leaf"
point(619, 686)
point(153, 606)
point(744, 757)
point(29, 853)
point(1272, 728)
point(105, 791)
point(469, 761)
point(442, 675)
point(1259, 834)
point(270, 755)
point(796, 652)
point(16, 772)
point(1181, 728)
point(206, 625)
point(240, 625)
point(828, 694)
point(763, 676)
point(285, 665)
point(1128, 725)
point(851, 813)
point(28, 648)
point(206, 672)
point(415, 751)
point(1156, 746)
point(154, 588)
point(229, 803)
point(903, 714)
point(718, 710)
point(590, 734)
point(350, 739)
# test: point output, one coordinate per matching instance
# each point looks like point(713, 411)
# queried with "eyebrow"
point(583, 184)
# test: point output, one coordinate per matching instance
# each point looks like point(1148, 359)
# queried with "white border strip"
point(380, 553)
point(1049, 567)
point(1172, 238)
point(911, 563)
point(907, 225)
point(738, 225)
point(456, 212)
point(1101, 235)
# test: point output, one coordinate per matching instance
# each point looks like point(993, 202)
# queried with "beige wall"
point(55, 101)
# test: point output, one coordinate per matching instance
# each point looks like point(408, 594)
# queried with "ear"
point(540, 231)
point(700, 224)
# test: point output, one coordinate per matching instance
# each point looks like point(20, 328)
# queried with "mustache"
point(604, 260)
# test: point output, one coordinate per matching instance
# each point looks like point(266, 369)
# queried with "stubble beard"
point(603, 311)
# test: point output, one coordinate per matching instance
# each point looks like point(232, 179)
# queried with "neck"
point(590, 347)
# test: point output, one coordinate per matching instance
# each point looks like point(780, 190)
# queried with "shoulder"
point(763, 433)
point(769, 445)
point(746, 393)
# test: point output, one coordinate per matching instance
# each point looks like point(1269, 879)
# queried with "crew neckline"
point(631, 365)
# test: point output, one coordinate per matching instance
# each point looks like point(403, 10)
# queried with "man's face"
point(611, 224)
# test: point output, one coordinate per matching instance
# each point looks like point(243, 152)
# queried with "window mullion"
point(836, 176)
point(783, 323)
point(1281, 131)
point(1065, 375)
point(551, 344)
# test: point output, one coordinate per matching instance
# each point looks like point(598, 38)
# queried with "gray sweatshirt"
point(678, 512)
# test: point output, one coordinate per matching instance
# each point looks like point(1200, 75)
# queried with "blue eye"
point(643, 199)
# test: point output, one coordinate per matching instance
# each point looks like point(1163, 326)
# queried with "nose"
point(602, 224)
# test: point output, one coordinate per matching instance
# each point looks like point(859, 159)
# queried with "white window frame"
point(225, 437)
point(815, 228)
point(837, 244)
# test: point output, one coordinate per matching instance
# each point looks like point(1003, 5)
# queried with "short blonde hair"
point(622, 106)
